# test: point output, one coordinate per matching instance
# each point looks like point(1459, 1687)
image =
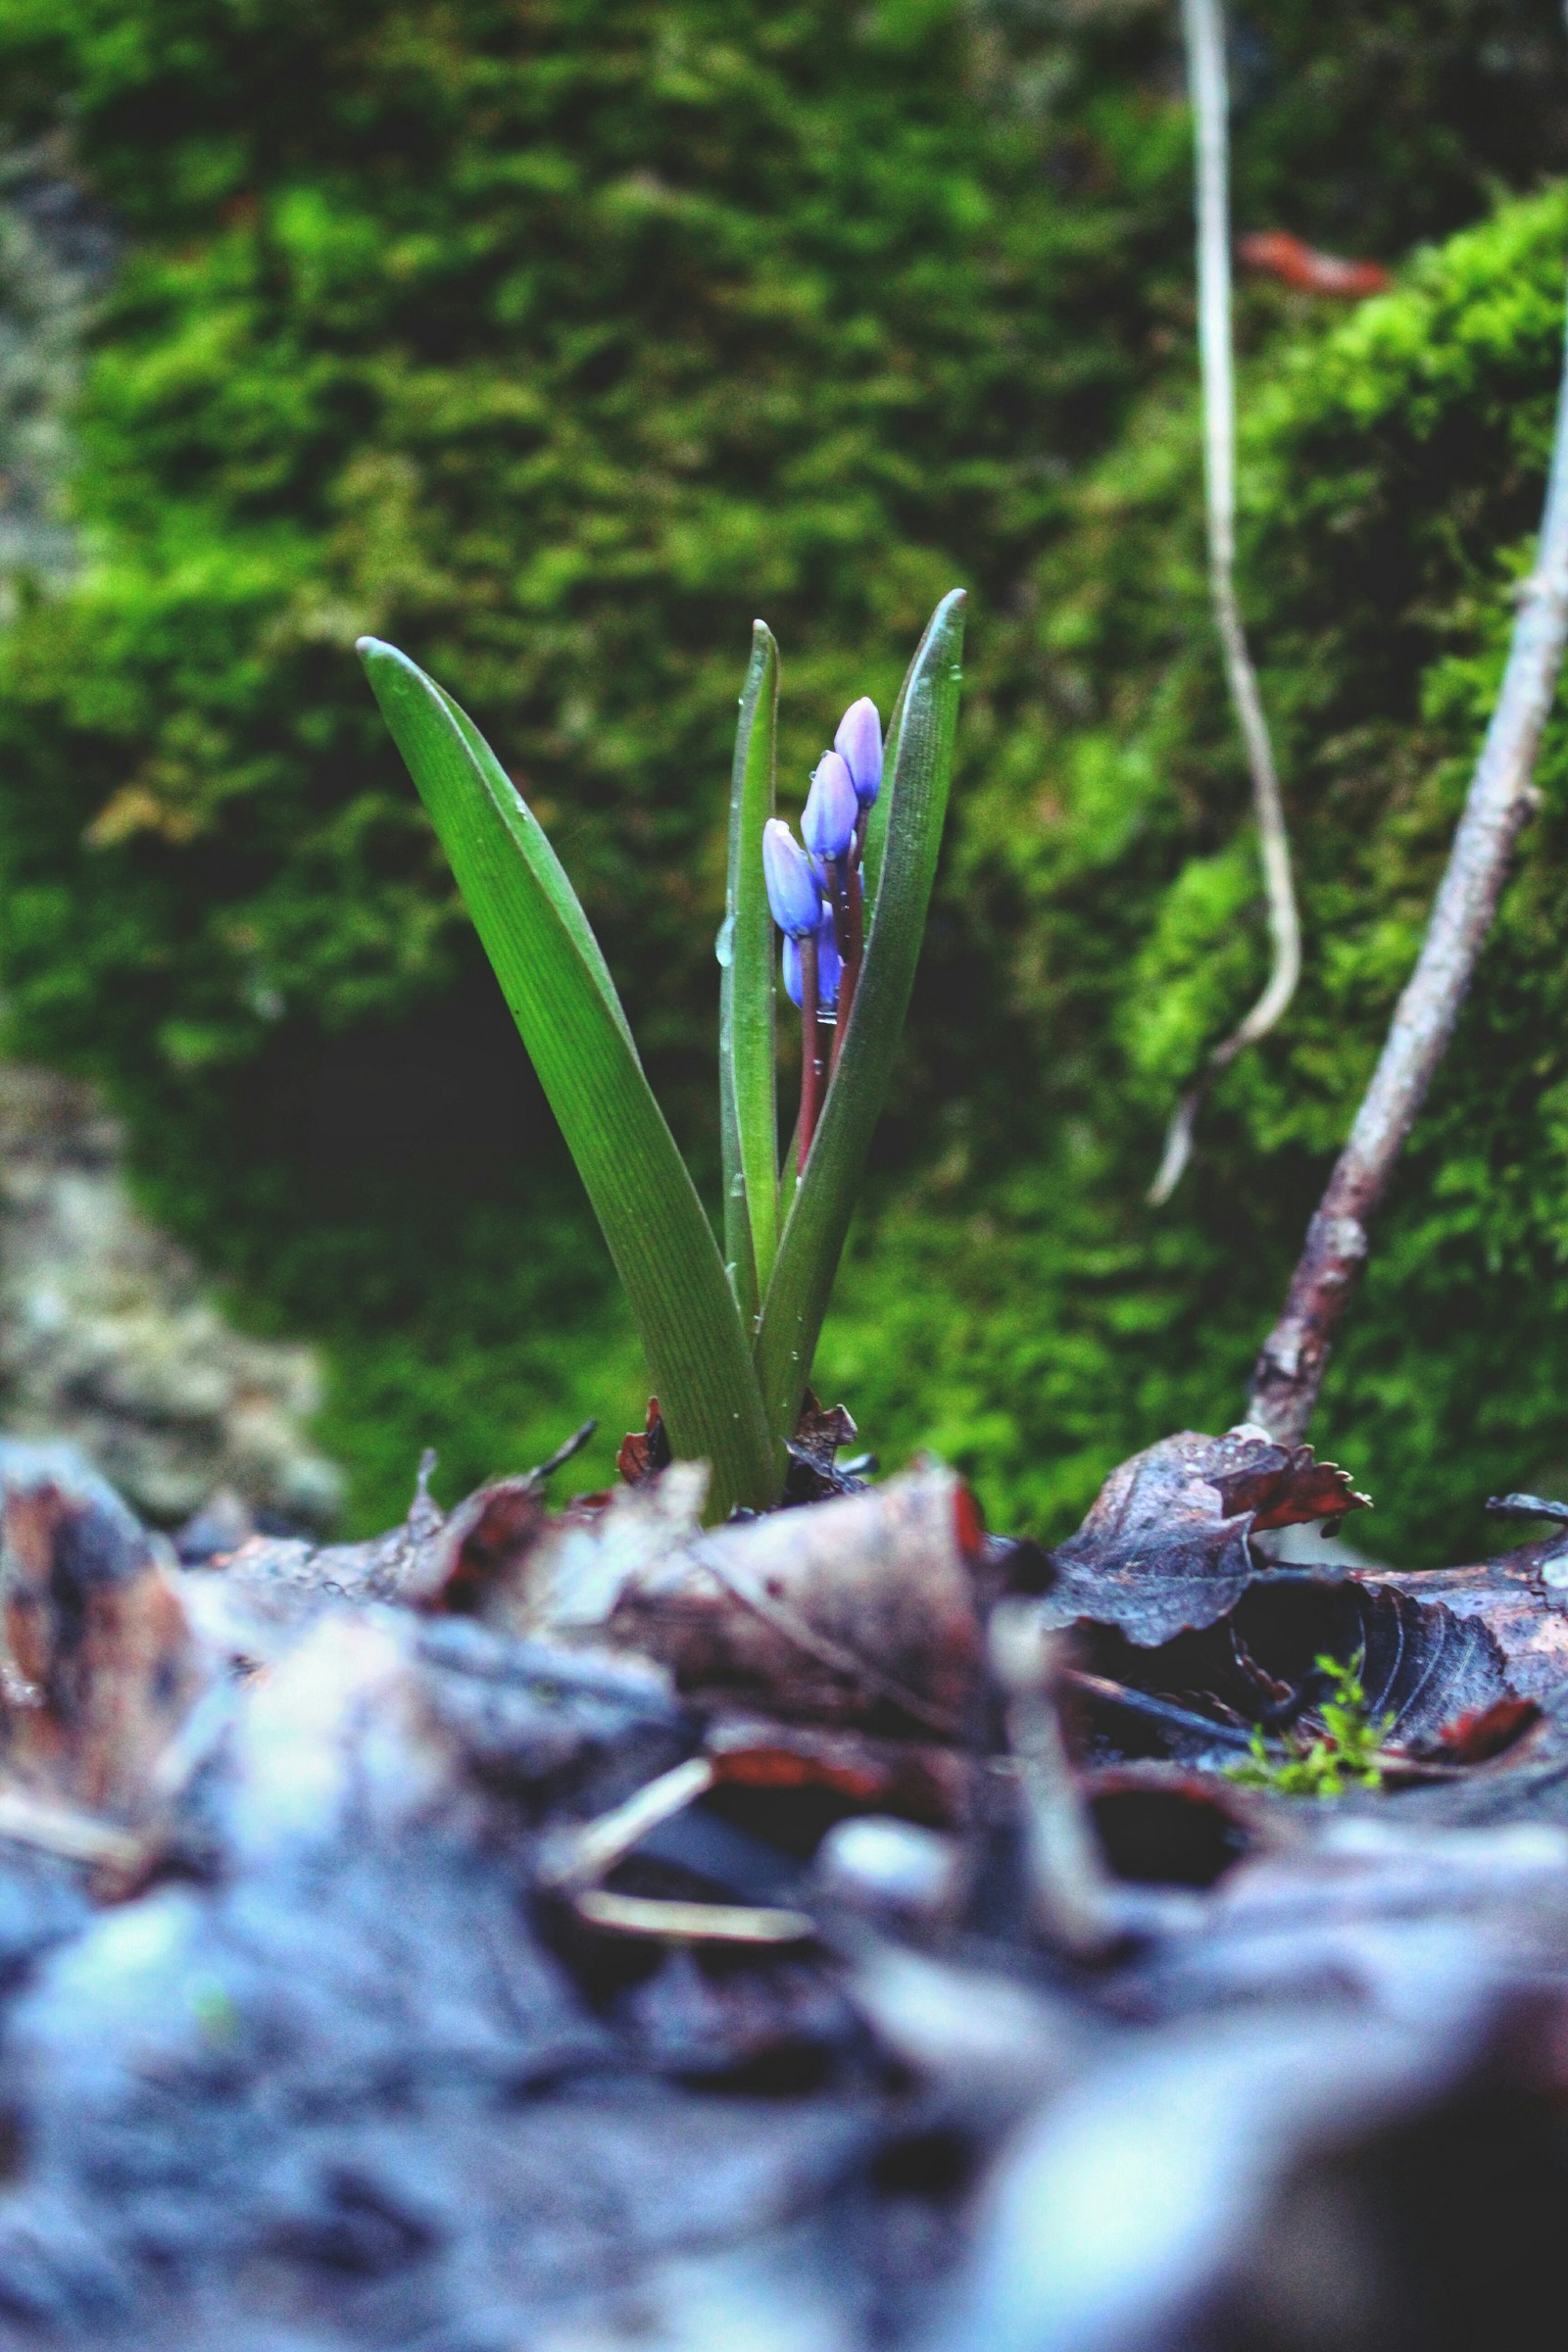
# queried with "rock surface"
point(108, 1339)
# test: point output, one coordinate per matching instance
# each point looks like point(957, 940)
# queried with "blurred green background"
point(554, 339)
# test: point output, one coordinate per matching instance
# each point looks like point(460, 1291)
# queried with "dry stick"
point(1210, 102)
point(1290, 1369)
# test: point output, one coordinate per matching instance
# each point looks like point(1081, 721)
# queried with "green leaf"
point(561, 997)
point(917, 795)
point(876, 832)
point(747, 1041)
point(537, 846)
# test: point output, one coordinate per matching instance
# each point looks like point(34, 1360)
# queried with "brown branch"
point(1210, 102)
point(1290, 1369)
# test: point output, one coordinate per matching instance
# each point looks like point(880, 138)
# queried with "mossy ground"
point(554, 355)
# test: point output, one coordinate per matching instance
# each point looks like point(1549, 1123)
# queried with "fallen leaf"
point(1423, 1665)
point(645, 1451)
point(100, 1667)
point(1165, 1547)
point(819, 1438)
point(1482, 1732)
point(861, 1610)
point(1514, 1597)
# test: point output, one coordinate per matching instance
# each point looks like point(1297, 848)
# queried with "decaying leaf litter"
point(575, 1926)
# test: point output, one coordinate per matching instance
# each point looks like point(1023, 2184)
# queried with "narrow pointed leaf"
point(535, 842)
point(876, 832)
point(747, 1041)
point(564, 1002)
point(916, 797)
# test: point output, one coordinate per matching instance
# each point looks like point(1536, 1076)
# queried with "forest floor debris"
point(574, 1927)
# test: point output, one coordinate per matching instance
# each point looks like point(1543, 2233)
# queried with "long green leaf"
point(536, 844)
point(564, 1002)
point(820, 1216)
point(746, 1043)
point(876, 832)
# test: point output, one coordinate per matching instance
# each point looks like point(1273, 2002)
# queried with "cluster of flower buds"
point(817, 896)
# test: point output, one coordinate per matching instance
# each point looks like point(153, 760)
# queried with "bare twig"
point(1073, 1895)
point(1206, 73)
point(1166, 1713)
point(664, 1921)
point(568, 1450)
point(66, 1830)
point(574, 1861)
point(1290, 1369)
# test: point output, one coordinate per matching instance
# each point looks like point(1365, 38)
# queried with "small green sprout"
point(1342, 1755)
point(729, 1332)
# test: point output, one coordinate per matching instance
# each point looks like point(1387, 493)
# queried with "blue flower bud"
point(858, 743)
point(828, 826)
point(828, 968)
point(792, 891)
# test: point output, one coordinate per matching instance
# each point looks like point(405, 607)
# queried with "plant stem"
point(852, 948)
point(1290, 1369)
point(1204, 29)
point(810, 1050)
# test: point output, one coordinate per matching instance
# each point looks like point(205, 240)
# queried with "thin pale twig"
point(1073, 1895)
point(1205, 31)
point(575, 1860)
point(64, 1829)
point(576, 1857)
point(673, 1922)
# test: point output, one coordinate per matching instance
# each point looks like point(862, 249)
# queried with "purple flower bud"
point(792, 891)
point(858, 743)
point(828, 968)
point(828, 826)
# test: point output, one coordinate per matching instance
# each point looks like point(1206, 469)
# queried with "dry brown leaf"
point(861, 1610)
point(101, 1668)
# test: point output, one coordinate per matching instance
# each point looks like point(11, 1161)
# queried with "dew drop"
point(724, 944)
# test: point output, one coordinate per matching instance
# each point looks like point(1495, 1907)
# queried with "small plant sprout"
point(1346, 1753)
point(729, 1337)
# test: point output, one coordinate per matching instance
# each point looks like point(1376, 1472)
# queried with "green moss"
point(555, 344)
point(1342, 1755)
point(1394, 470)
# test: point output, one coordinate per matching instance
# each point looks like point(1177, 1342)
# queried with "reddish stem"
point(852, 950)
point(810, 1049)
